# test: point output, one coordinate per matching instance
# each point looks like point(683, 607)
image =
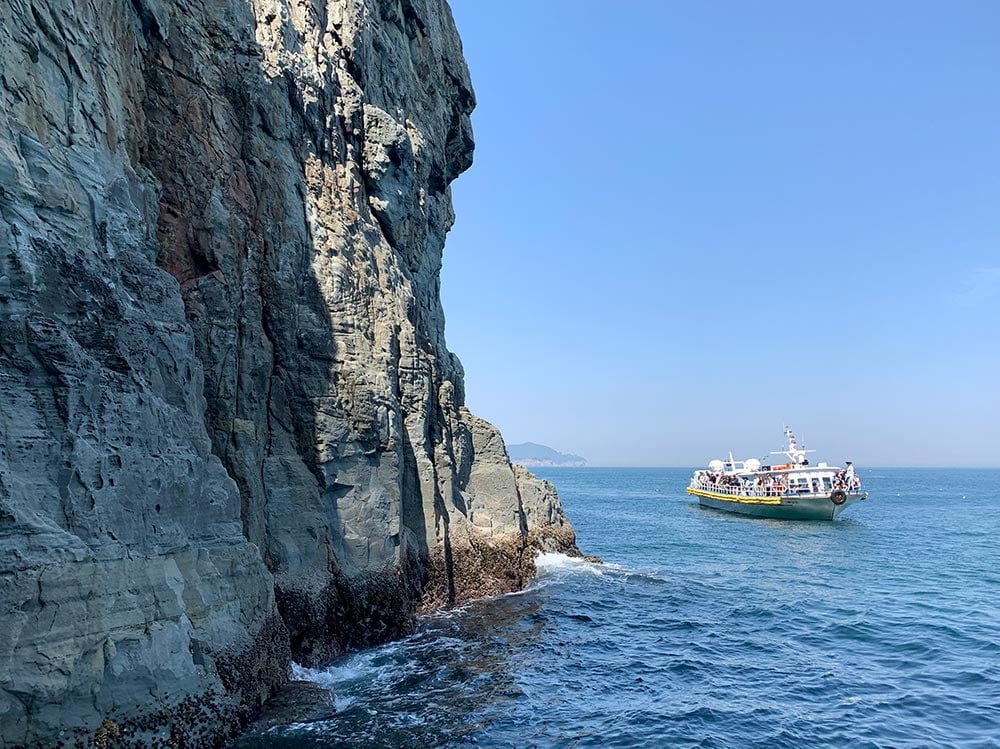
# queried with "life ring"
point(838, 497)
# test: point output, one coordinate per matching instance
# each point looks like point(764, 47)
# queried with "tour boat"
point(794, 490)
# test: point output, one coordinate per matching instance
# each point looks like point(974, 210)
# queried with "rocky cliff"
point(231, 431)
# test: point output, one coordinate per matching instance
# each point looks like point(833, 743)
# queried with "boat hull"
point(811, 507)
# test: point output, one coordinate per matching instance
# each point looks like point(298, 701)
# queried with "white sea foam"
point(343, 702)
point(553, 567)
point(550, 560)
point(557, 561)
point(554, 564)
point(359, 666)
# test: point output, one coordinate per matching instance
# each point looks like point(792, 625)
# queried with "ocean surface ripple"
point(704, 629)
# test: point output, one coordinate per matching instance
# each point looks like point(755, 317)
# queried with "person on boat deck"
point(850, 477)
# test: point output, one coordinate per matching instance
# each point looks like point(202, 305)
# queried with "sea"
point(703, 629)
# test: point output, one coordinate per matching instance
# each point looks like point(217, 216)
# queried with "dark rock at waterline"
point(295, 702)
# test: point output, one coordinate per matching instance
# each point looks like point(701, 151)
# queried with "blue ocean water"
point(881, 629)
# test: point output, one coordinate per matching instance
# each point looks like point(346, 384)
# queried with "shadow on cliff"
point(247, 159)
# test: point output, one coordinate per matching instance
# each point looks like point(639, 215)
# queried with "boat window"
point(827, 483)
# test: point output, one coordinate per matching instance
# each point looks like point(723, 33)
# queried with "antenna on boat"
point(796, 455)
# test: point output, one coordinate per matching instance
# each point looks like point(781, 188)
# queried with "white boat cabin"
point(795, 477)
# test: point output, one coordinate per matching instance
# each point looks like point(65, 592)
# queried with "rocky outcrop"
point(231, 431)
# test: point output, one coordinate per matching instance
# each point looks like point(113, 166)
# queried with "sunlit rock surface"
point(231, 431)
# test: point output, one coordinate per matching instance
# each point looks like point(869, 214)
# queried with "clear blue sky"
point(689, 223)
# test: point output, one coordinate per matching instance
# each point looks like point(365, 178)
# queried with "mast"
point(796, 455)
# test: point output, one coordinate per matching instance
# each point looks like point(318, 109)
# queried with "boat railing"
point(740, 491)
point(764, 491)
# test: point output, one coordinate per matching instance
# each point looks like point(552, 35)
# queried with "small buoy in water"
point(963, 496)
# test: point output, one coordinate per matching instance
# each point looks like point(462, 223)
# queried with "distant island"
point(532, 455)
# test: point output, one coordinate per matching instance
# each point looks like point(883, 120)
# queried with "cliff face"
point(232, 432)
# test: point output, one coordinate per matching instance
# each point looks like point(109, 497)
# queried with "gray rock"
point(232, 431)
point(295, 702)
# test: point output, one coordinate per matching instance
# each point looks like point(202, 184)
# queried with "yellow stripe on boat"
point(736, 498)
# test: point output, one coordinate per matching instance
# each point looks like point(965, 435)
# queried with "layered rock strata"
point(232, 433)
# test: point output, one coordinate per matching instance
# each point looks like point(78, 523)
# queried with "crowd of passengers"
point(771, 485)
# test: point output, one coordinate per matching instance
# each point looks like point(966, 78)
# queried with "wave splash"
point(552, 562)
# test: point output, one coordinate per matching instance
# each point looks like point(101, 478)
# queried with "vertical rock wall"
point(231, 430)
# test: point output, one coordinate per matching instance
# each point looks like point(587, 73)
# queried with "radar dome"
point(716, 465)
point(752, 465)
